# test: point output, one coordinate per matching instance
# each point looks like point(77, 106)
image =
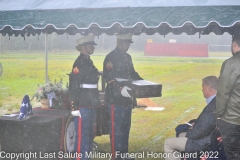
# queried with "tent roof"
point(7, 5)
point(30, 17)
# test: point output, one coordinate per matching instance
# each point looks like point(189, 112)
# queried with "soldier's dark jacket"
point(118, 64)
point(88, 74)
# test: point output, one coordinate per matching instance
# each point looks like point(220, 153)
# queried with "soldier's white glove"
point(76, 113)
point(124, 91)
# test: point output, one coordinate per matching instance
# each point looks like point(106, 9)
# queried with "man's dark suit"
point(200, 137)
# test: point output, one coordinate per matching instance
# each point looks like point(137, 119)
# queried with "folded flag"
point(26, 108)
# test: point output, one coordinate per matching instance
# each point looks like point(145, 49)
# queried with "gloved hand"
point(124, 91)
point(76, 113)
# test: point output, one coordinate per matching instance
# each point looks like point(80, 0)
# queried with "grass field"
point(181, 96)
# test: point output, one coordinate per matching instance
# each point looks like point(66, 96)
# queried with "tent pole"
point(46, 58)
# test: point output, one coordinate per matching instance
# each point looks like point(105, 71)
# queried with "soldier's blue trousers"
point(84, 132)
point(120, 123)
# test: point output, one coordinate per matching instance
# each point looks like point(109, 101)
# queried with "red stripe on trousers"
point(112, 116)
point(79, 135)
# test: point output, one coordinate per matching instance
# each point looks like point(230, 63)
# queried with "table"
point(43, 133)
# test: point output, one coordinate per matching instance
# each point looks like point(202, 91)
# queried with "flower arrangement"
point(55, 92)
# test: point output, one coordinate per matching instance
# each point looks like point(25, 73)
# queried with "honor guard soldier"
point(84, 95)
point(118, 64)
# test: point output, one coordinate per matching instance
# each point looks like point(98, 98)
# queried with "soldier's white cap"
point(125, 37)
point(89, 39)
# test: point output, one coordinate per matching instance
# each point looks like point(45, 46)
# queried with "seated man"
point(199, 137)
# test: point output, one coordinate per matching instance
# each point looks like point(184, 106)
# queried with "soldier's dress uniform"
point(118, 64)
point(84, 93)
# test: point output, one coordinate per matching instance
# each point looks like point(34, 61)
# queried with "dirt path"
point(146, 102)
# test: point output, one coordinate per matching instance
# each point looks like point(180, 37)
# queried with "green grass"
point(181, 95)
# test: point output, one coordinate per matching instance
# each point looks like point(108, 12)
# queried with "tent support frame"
point(46, 57)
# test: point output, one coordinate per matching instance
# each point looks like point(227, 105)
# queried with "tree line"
point(105, 42)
